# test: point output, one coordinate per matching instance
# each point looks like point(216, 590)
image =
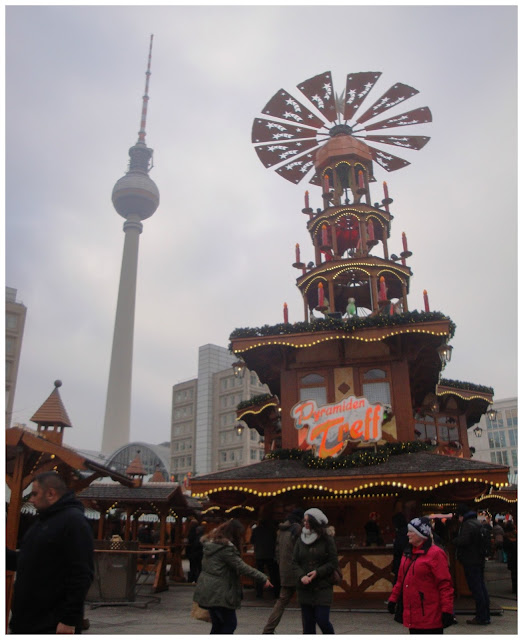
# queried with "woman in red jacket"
point(424, 578)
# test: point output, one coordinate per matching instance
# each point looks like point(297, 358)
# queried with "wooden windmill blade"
point(283, 105)
point(395, 95)
point(319, 90)
point(357, 87)
point(408, 142)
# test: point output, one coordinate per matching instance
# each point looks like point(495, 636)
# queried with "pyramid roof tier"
point(440, 476)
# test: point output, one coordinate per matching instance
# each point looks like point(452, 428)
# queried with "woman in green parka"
point(218, 588)
point(314, 560)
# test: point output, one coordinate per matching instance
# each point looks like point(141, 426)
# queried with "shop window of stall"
point(376, 386)
point(425, 428)
point(448, 429)
point(313, 386)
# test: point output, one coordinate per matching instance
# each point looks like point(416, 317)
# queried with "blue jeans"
point(476, 582)
point(312, 615)
point(223, 620)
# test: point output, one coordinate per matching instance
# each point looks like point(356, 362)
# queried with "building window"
point(425, 428)
point(10, 346)
point(314, 387)
point(447, 429)
point(513, 437)
point(11, 321)
point(376, 386)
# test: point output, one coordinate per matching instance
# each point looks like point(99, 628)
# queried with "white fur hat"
point(318, 515)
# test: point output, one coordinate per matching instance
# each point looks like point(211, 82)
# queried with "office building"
point(204, 432)
point(495, 437)
point(15, 313)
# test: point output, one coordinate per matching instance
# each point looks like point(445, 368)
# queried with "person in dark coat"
point(424, 583)
point(218, 588)
point(400, 541)
point(314, 560)
point(54, 565)
point(263, 538)
point(194, 551)
point(288, 532)
point(510, 547)
point(469, 551)
point(372, 531)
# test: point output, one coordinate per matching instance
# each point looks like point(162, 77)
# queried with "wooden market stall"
point(30, 452)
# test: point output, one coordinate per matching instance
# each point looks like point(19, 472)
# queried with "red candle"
point(383, 289)
point(426, 300)
point(320, 295)
point(285, 313)
point(307, 200)
point(370, 230)
point(385, 190)
point(324, 235)
point(404, 240)
point(325, 183)
point(361, 184)
point(297, 253)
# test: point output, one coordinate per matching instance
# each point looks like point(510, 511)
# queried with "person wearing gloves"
point(424, 583)
point(218, 588)
point(314, 560)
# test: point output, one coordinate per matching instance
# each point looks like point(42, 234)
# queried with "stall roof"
point(420, 471)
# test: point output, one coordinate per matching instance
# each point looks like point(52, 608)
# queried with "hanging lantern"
point(239, 369)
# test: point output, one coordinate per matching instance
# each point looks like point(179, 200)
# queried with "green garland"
point(362, 458)
point(255, 401)
point(467, 386)
point(347, 326)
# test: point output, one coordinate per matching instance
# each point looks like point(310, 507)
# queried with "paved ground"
point(171, 615)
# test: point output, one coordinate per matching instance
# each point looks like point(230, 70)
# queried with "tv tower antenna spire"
point(141, 133)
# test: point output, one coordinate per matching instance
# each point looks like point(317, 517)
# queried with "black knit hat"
point(462, 509)
point(421, 526)
point(296, 515)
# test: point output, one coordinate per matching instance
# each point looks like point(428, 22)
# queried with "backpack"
point(483, 541)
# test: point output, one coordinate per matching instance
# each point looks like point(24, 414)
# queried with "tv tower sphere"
point(135, 194)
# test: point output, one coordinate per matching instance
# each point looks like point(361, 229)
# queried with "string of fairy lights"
point(347, 493)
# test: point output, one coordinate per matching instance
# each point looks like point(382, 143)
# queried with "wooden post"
point(13, 522)
point(127, 534)
point(331, 296)
point(101, 523)
point(404, 297)
point(374, 291)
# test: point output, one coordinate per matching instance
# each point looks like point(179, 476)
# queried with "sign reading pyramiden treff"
point(331, 426)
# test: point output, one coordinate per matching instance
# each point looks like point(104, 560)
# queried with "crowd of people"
point(54, 565)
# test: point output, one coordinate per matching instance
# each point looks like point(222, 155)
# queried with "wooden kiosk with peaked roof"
point(29, 453)
point(358, 419)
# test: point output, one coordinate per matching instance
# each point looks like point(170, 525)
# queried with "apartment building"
point(495, 438)
point(15, 313)
point(204, 432)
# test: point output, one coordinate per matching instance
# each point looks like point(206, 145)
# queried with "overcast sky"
point(218, 252)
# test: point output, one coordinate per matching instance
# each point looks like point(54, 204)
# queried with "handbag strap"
point(405, 574)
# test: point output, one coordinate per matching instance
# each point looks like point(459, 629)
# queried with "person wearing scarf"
point(314, 560)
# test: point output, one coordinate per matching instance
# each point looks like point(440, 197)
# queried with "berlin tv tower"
point(135, 197)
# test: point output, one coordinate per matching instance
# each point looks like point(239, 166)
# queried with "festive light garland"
point(255, 401)
point(363, 458)
point(349, 492)
point(344, 326)
point(465, 386)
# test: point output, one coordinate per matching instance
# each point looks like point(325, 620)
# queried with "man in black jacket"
point(471, 554)
point(54, 565)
